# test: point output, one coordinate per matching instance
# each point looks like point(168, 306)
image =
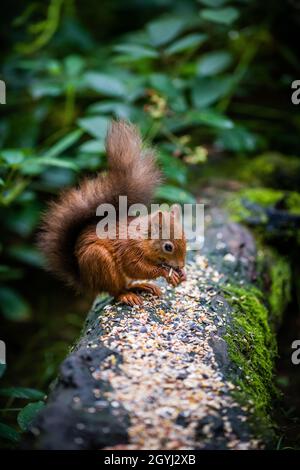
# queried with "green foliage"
point(9, 433)
point(172, 194)
point(259, 198)
point(28, 413)
point(213, 63)
point(22, 392)
point(13, 306)
point(223, 15)
point(273, 170)
point(25, 414)
point(281, 281)
point(252, 348)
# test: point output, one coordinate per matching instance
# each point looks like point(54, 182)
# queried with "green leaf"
point(214, 3)
point(22, 392)
point(31, 167)
point(95, 125)
point(39, 89)
point(90, 161)
point(56, 178)
point(117, 108)
point(63, 144)
point(238, 140)
point(74, 65)
point(9, 433)
point(165, 29)
point(223, 15)
point(210, 118)
point(173, 194)
point(12, 305)
point(207, 91)
point(92, 146)
point(7, 273)
point(28, 414)
point(163, 83)
point(184, 44)
point(27, 254)
point(136, 51)
point(173, 168)
point(169, 87)
point(27, 196)
point(57, 162)
point(11, 194)
point(213, 63)
point(107, 85)
point(24, 220)
point(13, 157)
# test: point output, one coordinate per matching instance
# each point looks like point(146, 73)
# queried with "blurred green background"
point(208, 82)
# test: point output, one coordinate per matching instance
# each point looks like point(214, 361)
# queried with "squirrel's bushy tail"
point(131, 172)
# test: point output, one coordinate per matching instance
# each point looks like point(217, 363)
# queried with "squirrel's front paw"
point(173, 277)
point(182, 274)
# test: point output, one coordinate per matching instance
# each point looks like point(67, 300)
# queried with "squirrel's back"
point(131, 172)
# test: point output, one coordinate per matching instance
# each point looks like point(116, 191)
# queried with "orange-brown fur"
point(69, 240)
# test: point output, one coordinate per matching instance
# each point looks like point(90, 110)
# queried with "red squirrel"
point(68, 235)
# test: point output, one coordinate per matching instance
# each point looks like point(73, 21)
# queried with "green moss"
point(251, 335)
point(269, 197)
point(252, 348)
point(293, 202)
point(264, 197)
point(280, 289)
point(272, 169)
point(237, 210)
point(274, 276)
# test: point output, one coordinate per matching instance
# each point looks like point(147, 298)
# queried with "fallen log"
point(191, 370)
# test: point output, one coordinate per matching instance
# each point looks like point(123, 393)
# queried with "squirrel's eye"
point(168, 247)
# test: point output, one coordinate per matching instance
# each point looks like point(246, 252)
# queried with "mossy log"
point(191, 370)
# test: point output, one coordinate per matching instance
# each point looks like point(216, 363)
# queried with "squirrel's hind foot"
point(130, 298)
point(146, 287)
